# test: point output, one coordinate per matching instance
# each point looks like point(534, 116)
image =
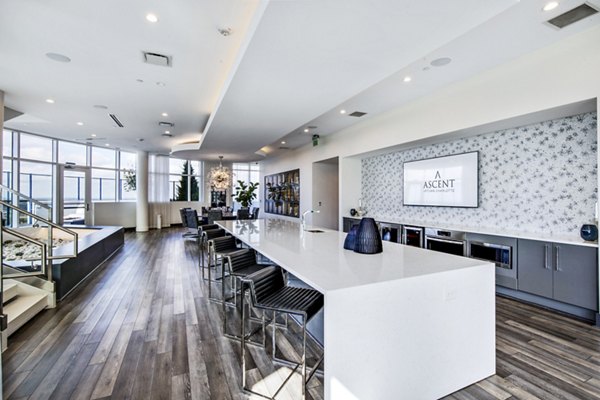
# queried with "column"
point(141, 182)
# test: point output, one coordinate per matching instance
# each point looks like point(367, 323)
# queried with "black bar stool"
point(218, 249)
point(202, 243)
point(184, 223)
point(207, 236)
point(268, 291)
point(190, 217)
point(239, 264)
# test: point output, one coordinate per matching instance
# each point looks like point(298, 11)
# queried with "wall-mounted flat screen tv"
point(449, 181)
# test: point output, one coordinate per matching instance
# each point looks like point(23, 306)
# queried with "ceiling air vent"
point(165, 124)
point(283, 148)
point(167, 135)
point(357, 114)
point(572, 16)
point(114, 118)
point(157, 59)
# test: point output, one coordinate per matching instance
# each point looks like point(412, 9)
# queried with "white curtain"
point(158, 190)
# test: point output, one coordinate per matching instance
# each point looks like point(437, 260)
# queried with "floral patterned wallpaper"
point(535, 178)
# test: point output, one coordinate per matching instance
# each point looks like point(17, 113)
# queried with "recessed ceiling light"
point(550, 6)
point(224, 31)
point(342, 111)
point(167, 132)
point(93, 135)
point(306, 130)
point(283, 142)
point(160, 84)
point(151, 18)
point(164, 114)
point(58, 57)
point(407, 79)
point(101, 107)
point(49, 101)
point(107, 144)
point(440, 62)
point(80, 123)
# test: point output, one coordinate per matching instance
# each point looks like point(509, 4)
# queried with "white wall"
point(115, 214)
point(557, 75)
point(124, 213)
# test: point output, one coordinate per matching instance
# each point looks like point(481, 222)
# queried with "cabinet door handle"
point(556, 259)
point(546, 256)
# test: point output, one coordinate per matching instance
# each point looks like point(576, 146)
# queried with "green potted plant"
point(244, 194)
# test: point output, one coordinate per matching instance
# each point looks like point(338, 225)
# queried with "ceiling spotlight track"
point(114, 118)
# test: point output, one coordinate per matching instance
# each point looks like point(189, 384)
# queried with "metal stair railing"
point(48, 255)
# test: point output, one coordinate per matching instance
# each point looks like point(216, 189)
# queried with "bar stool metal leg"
point(269, 292)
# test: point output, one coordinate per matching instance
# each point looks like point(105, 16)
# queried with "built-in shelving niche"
point(282, 193)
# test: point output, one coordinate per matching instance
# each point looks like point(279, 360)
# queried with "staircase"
point(26, 283)
point(22, 302)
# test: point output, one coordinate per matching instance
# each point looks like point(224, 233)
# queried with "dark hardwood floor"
point(142, 327)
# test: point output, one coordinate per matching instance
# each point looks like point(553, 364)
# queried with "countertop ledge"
point(573, 239)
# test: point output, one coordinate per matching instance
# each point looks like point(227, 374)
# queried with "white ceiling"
point(286, 64)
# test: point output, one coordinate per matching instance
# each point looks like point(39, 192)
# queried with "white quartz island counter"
point(407, 323)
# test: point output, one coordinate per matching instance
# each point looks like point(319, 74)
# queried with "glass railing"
point(29, 236)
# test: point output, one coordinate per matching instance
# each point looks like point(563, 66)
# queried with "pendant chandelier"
point(220, 177)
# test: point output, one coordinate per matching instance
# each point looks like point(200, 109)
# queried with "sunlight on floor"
point(269, 384)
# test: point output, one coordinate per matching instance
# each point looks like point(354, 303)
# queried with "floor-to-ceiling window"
point(247, 172)
point(185, 180)
point(127, 176)
point(29, 165)
point(104, 174)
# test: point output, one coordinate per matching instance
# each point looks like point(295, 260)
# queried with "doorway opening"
point(325, 193)
point(74, 191)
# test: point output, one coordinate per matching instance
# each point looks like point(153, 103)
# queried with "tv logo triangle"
point(437, 184)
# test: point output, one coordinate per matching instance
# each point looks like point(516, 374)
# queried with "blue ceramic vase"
point(350, 241)
point(368, 238)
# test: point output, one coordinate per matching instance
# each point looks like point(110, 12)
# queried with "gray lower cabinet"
point(566, 273)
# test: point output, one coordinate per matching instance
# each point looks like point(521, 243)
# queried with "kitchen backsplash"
point(535, 178)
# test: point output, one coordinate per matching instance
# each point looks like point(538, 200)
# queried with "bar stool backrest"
point(225, 243)
point(208, 227)
point(214, 215)
point(213, 233)
point(264, 283)
point(243, 214)
point(182, 213)
point(192, 218)
point(242, 259)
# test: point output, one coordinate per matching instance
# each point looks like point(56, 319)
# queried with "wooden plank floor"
point(143, 328)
